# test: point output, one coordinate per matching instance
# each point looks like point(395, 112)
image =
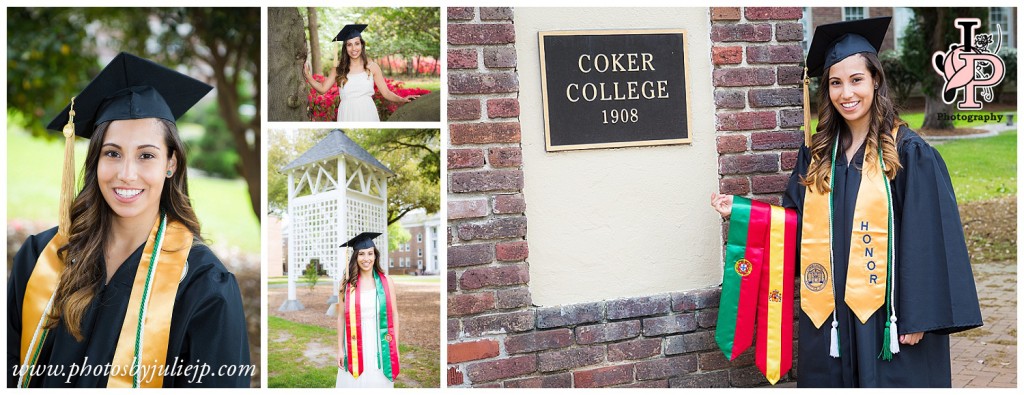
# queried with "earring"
point(169, 174)
point(876, 87)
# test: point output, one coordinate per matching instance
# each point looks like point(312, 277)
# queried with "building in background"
point(419, 254)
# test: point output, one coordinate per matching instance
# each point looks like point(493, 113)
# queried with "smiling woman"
point(124, 287)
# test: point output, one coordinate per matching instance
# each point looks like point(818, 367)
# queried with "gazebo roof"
point(336, 143)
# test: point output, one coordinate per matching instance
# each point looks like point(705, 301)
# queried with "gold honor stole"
point(867, 273)
point(141, 353)
point(385, 341)
point(760, 260)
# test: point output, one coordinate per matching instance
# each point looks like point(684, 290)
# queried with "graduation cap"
point(129, 87)
point(362, 241)
point(837, 41)
point(349, 32)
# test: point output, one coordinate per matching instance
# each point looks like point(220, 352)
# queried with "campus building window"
point(391, 262)
point(901, 18)
point(419, 237)
point(854, 13)
point(419, 252)
point(1001, 16)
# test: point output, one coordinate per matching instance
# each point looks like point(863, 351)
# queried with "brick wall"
point(496, 338)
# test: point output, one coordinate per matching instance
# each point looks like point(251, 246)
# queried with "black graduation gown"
point(935, 290)
point(207, 325)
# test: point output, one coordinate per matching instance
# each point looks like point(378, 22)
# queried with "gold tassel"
point(807, 109)
point(67, 181)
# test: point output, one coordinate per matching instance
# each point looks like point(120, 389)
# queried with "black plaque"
point(614, 88)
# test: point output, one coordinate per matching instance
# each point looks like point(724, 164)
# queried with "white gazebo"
point(336, 190)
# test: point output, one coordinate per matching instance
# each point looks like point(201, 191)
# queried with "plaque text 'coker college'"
point(614, 88)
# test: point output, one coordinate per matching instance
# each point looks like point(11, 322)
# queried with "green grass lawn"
point(33, 186)
point(288, 367)
point(982, 168)
point(431, 85)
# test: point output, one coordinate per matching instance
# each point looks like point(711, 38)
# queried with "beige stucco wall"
point(611, 223)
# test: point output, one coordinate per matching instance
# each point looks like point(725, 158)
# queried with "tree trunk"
point(933, 104)
point(314, 41)
point(286, 52)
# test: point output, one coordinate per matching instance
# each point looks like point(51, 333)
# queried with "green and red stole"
point(385, 342)
point(141, 353)
point(757, 286)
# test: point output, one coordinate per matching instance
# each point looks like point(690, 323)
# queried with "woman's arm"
point(321, 87)
point(394, 304)
point(339, 311)
point(382, 86)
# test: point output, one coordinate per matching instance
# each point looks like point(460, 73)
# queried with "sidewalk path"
point(987, 356)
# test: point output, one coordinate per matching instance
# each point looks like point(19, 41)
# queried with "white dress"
point(357, 100)
point(372, 376)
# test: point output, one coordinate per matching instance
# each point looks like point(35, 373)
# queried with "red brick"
point(505, 156)
point(462, 58)
point(570, 359)
point(461, 13)
point(789, 31)
point(747, 377)
point(470, 303)
point(603, 377)
point(730, 99)
point(634, 349)
point(774, 199)
point(773, 13)
point(473, 82)
point(459, 209)
point(453, 284)
point(637, 306)
point(724, 13)
point(491, 33)
point(454, 327)
point(561, 380)
point(463, 110)
point(465, 159)
point(707, 318)
point(472, 351)
point(486, 180)
point(793, 118)
point(646, 384)
point(690, 342)
point(751, 163)
point(512, 251)
point(494, 276)
point(470, 255)
point(743, 76)
point(538, 341)
point(716, 379)
point(455, 376)
point(792, 75)
point(759, 32)
point(726, 55)
point(729, 144)
point(787, 53)
point(612, 331)
point(484, 133)
point(482, 372)
point(713, 360)
point(509, 204)
point(698, 299)
point(791, 139)
point(747, 120)
point(501, 228)
point(495, 13)
point(502, 108)
point(660, 368)
point(788, 159)
point(770, 183)
point(734, 185)
point(493, 324)
point(511, 298)
point(666, 325)
point(501, 57)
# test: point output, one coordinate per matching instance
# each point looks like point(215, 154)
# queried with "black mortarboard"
point(362, 241)
point(349, 31)
point(130, 87)
point(836, 41)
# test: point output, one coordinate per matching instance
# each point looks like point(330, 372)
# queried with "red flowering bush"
point(322, 107)
point(384, 107)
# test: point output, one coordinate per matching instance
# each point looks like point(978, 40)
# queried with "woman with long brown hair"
point(368, 355)
point(124, 293)
point(355, 76)
point(885, 274)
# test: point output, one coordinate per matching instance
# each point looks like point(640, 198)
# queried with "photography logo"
point(969, 65)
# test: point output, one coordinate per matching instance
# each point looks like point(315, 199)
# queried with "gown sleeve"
point(935, 288)
point(216, 334)
point(24, 262)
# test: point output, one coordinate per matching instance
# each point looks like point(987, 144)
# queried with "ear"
point(172, 164)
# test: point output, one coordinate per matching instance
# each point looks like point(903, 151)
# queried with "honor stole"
point(144, 332)
point(387, 345)
point(757, 286)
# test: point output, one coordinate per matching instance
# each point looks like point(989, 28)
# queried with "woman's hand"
point(911, 339)
point(307, 73)
point(722, 204)
point(341, 361)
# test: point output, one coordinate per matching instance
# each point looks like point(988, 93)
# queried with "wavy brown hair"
point(884, 116)
point(353, 266)
point(91, 216)
point(345, 64)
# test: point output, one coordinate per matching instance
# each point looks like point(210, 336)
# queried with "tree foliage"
point(406, 31)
